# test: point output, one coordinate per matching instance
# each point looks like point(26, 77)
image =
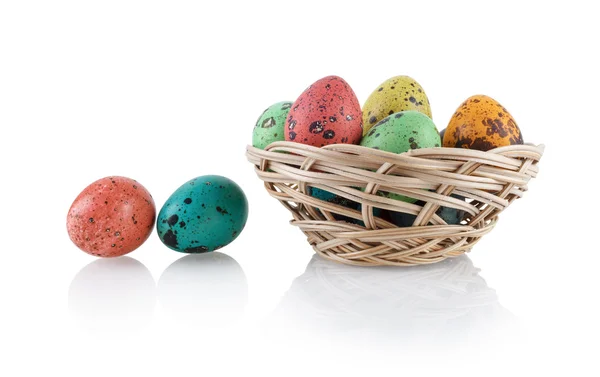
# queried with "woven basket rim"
point(358, 149)
point(540, 147)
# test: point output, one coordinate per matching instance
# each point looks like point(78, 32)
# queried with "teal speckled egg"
point(203, 215)
point(451, 216)
point(339, 200)
point(270, 125)
point(442, 132)
point(400, 132)
point(330, 197)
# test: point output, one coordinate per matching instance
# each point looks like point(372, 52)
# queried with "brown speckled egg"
point(327, 112)
point(481, 123)
point(111, 217)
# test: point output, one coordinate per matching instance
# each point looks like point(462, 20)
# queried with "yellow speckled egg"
point(399, 93)
point(481, 123)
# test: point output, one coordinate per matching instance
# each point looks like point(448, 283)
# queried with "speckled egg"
point(451, 216)
point(327, 112)
point(339, 200)
point(402, 219)
point(111, 217)
point(330, 197)
point(270, 126)
point(442, 132)
point(481, 123)
point(396, 94)
point(401, 132)
point(203, 215)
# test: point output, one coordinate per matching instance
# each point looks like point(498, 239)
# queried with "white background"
point(164, 91)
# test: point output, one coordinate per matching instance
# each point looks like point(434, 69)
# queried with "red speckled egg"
point(327, 112)
point(111, 217)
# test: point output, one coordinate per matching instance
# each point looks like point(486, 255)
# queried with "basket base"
point(354, 245)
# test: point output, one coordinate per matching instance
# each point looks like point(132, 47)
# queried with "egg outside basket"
point(490, 181)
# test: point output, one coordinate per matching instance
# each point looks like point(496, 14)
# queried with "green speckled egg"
point(401, 132)
point(270, 125)
point(203, 215)
point(396, 94)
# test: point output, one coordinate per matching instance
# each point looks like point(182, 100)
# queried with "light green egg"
point(399, 93)
point(401, 132)
point(270, 125)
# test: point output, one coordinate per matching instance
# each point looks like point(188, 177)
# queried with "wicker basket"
point(489, 181)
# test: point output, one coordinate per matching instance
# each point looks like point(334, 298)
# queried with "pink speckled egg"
point(326, 113)
point(111, 217)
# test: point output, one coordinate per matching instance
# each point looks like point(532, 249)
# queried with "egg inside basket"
point(478, 184)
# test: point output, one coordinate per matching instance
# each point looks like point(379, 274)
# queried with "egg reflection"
point(207, 288)
point(113, 296)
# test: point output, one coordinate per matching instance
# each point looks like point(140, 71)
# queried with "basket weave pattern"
point(489, 181)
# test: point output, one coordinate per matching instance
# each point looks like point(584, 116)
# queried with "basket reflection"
point(443, 301)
